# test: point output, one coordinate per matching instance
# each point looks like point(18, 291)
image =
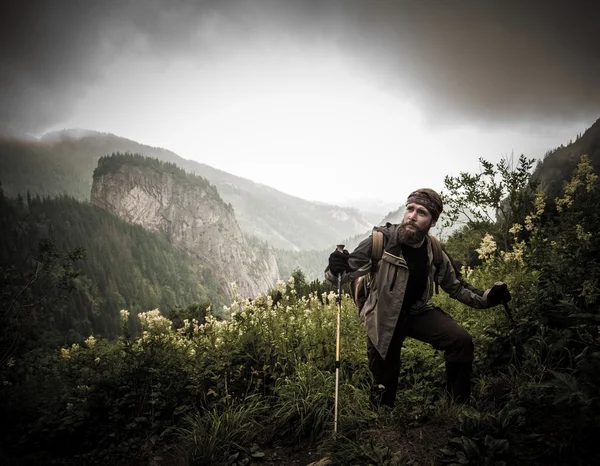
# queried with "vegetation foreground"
point(257, 386)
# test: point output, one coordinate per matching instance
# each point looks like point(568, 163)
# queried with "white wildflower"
point(90, 341)
point(487, 247)
point(581, 234)
point(516, 228)
point(154, 321)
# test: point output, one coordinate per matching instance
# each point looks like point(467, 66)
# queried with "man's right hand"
point(338, 262)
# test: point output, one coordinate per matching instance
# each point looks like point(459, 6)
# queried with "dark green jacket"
point(389, 278)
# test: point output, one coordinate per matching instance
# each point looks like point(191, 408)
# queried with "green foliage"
point(484, 438)
point(34, 278)
point(203, 389)
point(345, 450)
point(124, 398)
point(224, 434)
point(559, 163)
point(499, 194)
point(304, 403)
point(125, 267)
point(463, 242)
point(566, 249)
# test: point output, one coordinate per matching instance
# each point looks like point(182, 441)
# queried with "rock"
point(189, 213)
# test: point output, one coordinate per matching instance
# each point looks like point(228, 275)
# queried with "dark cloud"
point(51, 52)
point(504, 61)
point(493, 61)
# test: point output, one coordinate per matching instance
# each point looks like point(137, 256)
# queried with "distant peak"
point(73, 133)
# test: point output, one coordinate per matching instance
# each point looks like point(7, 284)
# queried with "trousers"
point(443, 333)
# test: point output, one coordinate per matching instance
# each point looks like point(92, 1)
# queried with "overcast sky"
point(325, 100)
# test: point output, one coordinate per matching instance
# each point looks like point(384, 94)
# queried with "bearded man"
point(399, 304)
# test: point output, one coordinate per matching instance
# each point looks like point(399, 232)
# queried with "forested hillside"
point(553, 170)
point(116, 266)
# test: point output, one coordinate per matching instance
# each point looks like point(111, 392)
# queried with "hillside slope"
point(63, 162)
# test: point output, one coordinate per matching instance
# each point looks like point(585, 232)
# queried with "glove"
point(498, 294)
point(338, 262)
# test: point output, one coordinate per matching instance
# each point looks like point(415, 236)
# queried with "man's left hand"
point(499, 294)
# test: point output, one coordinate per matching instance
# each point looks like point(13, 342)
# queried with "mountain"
point(188, 211)
point(378, 206)
point(558, 164)
point(63, 162)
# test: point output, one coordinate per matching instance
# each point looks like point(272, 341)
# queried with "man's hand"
point(498, 294)
point(338, 262)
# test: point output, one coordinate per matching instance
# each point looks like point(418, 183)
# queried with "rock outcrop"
point(189, 212)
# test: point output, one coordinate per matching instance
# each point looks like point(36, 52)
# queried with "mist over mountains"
point(302, 232)
point(70, 156)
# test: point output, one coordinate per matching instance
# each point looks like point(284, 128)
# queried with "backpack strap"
point(377, 246)
point(438, 258)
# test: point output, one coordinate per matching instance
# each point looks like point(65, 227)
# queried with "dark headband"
point(429, 199)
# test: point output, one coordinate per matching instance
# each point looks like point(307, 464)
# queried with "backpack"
point(361, 286)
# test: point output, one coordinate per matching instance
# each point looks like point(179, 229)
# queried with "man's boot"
point(458, 379)
point(381, 396)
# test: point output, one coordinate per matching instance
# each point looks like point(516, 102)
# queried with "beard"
point(411, 236)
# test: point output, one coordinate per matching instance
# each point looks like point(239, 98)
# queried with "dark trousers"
point(433, 327)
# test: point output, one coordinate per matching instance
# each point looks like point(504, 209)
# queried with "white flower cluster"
point(190, 327)
point(582, 235)
point(516, 229)
point(466, 271)
point(280, 286)
point(153, 321)
point(516, 254)
point(66, 353)
point(487, 248)
point(583, 176)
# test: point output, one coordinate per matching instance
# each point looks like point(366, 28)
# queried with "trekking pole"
point(519, 343)
point(337, 352)
point(508, 313)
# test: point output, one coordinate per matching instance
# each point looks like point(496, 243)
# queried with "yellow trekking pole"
point(337, 352)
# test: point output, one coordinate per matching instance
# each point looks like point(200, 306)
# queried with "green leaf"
point(461, 457)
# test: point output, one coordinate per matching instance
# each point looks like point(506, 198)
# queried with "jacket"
point(382, 309)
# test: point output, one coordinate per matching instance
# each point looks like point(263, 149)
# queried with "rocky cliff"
point(189, 212)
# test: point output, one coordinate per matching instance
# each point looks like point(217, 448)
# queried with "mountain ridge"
point(189, 213)
point(282, 220)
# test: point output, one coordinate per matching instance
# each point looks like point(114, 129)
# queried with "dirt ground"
point(421, 445)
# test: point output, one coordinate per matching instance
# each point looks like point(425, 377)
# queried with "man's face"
point(415, 224)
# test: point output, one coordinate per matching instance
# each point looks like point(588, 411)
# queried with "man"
point(399, 304)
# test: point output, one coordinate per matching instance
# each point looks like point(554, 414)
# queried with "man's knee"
point(461, 349)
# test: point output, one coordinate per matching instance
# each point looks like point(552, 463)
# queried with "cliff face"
point(193, 218)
